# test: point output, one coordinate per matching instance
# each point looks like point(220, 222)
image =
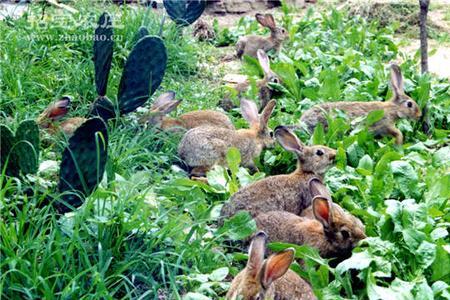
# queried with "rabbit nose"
point(418, 113)
point(333, 155)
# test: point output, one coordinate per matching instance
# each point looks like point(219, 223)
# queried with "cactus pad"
point(7, 141)
point(142, 32)
point(184, 12)
point(83, 164)
point(27, 147)
point(23, 148)
point(103, 108)
point(142, 74)
point(103, 52)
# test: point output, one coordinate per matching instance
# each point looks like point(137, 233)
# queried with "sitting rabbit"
point(165, 103)
point(56, 111)
point(203, 147)
point(248, 45)
point(265, 91)
point(268, 279)
point(400, 106)
point(292, 192)
point(333, 231)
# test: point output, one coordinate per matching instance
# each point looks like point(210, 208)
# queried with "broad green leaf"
point(426, 254)
point(341, 158)
point(233, 159)
point(238, 227)
point(218, 178)
point(440, 265)
point(195, 296)
point(365, 165)
point(374, 116)
point(330, 88)
point(439, 233)
point(442, 157)
point(319, 135)
point(406, 178)
point(219, 274)
point(423, 291)
point(398, 290)
point(358, 261)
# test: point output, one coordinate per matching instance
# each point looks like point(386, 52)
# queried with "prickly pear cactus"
point(27, 149)
point(184, 12)
point(83, 164)
point(21, 150)
point(142, 32)
point(103, 108)
point(103, 52)
point(7, 141)
point(142, 74)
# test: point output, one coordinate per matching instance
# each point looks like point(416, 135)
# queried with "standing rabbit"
point(400, 106)
point(56, 111)
point(249, 44)
point(265, 92)
point(165, 103)
point(203, 147)
point(268, 279)
point(333, 231)
point(292, 192)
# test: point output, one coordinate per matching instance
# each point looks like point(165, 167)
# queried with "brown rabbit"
point(56, 111)
point(249, 44)
point(400, 106)
point(333, 231)
point(265, 92)
point(268, 279)
point(165, 103)
point(292, 192)
point(203, 147)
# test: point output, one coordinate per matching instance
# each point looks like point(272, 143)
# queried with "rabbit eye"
point(271, 134)
point(275, 80)
point(345, 234)
point(319, 152)
point(409, 104)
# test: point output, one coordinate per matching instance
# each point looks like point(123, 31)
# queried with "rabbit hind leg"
point(396, 133)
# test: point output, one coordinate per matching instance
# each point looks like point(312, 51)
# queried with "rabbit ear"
point(168, 107)
point(317, 188)
point(256, 253)
point(270, 21)
point(266, 113)
point(163, 99)
point(396, 80)
point(263, 61)
point(276, 266)
point(249, 111)
point(288, 140)
point(59, 109)
point(261, 19)
point(322, 210)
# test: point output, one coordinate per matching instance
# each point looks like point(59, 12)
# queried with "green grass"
point(148, 232)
